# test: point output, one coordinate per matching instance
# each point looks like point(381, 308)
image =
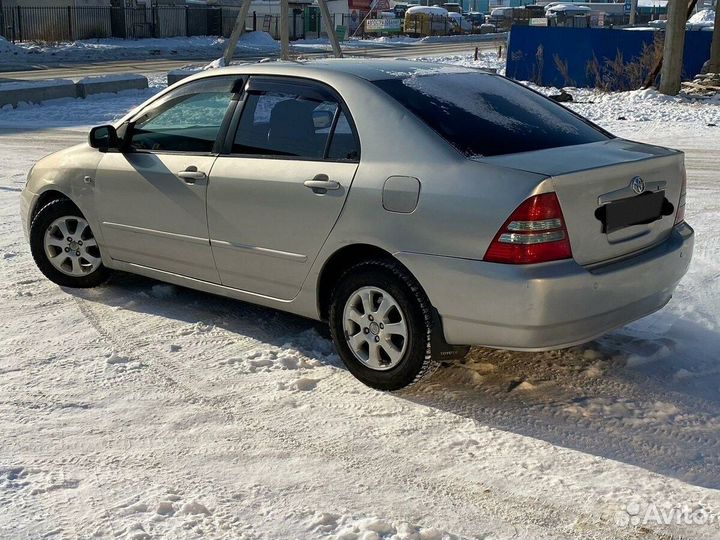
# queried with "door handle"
point(321, 183)
point(191, 175)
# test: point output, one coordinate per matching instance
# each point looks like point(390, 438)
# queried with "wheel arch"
point(341, 260)
point(48, 196)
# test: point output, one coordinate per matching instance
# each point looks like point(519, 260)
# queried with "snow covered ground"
point(253, 44)
point(142, 410)
point(94, 50)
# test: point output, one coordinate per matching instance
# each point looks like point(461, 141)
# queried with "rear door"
point(278, 189)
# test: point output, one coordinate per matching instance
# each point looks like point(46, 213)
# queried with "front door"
point(151, 198)
point(275, 196)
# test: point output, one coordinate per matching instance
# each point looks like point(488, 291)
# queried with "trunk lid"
point(589, 176)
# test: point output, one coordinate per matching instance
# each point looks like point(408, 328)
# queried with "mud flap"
point(441, 350)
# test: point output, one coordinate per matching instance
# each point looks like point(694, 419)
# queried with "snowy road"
point(142, 410)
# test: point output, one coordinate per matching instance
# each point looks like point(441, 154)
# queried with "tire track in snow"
point(462, 499)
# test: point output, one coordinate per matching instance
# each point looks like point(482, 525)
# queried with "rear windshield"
point(485, 115)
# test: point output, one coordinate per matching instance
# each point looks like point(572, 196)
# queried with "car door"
point(278, 189)
point(151, 196)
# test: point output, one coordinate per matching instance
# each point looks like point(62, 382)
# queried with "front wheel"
point(64, 247)
point(381, 323)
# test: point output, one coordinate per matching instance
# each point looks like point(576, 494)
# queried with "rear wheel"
point(380, 321)
point(64, 247)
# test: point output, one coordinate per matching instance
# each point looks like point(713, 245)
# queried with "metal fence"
point(55, 24)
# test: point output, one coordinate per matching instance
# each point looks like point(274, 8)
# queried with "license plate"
point(639, 210)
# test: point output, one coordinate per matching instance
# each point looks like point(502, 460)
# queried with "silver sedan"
point(418, 208)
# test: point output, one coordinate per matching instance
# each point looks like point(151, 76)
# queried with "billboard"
point(382, 25)
point(367, 5)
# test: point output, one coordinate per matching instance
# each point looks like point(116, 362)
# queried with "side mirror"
point(104, 138)
point(322, 119)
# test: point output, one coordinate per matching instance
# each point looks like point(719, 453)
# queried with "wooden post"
point(671, 70)
point(330, 25)
point(239, 28)
point(284, 33)
point(237, 31)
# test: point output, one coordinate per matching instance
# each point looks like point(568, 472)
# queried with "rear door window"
point(302, 121)
point(482, 114)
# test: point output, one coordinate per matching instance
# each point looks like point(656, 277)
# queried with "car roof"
point(370, 69)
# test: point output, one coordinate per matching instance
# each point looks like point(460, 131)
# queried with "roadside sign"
point(538, 21)
point(387, 26)
point(628, 7)
point(341, 32)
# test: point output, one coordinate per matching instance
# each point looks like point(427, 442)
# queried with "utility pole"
point(714, 66)
point(673, 49)
point(239, 28)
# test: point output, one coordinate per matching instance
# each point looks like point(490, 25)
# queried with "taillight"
point(535, 232)
point(680, 214)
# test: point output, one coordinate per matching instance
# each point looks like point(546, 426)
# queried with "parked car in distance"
point(453, 7)
point(417, 208)
point(421, 21)
point(459, 24)
point(476, 19)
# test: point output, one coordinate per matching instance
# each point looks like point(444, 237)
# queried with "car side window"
point(278, 120)
point(187, 120)
point(343, 145)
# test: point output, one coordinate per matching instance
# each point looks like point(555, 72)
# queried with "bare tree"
point(674, 46)
point(714, 66)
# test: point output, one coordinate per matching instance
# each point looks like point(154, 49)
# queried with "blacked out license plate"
point(638, 210)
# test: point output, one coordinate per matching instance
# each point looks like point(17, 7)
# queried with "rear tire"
point(381, 324)
point(64, 247)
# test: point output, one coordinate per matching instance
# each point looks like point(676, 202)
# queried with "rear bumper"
point(551, 305)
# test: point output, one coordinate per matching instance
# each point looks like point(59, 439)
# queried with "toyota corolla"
point(417, 208)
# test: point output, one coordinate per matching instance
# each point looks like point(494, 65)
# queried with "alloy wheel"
point(375, 328)
point(71, 247)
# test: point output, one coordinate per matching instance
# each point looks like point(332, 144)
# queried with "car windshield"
point(482, 114)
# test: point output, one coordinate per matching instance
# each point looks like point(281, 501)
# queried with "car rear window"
point(482, 114)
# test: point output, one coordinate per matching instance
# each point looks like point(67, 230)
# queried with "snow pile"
point(346, 527)
point(114, 48)
point(258, 40)
point(640, 106)
point(703, 17)
point(486, 60)
point(218, 63)
point(612, 108)
point(122, 47)
point(8, 48)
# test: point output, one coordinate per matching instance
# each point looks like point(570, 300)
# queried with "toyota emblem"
point(638, 185)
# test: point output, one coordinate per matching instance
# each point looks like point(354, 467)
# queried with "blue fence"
point(577, 47)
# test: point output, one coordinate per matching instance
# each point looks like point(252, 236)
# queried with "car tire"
point(64, 247)
point(372, 305)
